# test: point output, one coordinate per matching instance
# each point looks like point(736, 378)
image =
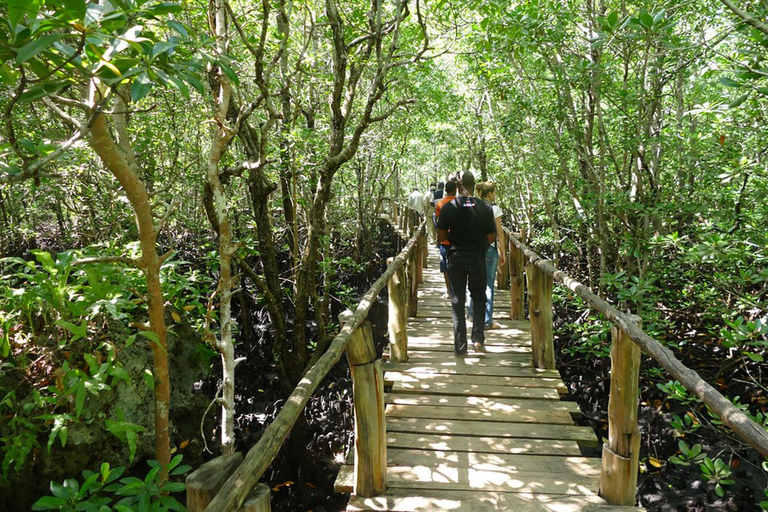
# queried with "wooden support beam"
point(618, 481)
point(517, 283)
point(368, 396)
point(398, 315)
point(424, 248)
point(540, 309)
point(205, 481)
point(420, 260)
point(413, 292)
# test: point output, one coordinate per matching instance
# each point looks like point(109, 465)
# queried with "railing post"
point(516, 277)
point(368, 395)
point(502, 273)
point(413, 288)
point(419, 260)
point(258, 500)
point(540, 286)
point(424, 247)
point(618, 481)
point(398, 315)
point(205, 481)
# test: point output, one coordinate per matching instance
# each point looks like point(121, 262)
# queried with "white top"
point(497, 213)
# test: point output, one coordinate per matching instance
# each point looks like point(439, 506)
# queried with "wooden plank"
point(444, 349)
point(399, 500)
point(488, 359)
point(447, 412)
point(449, 388)
point(391, 377)
point(584, 435)
point(433, 441)
point(501, 462)
point(492, 478)
point(491, 403)
point(454, 367)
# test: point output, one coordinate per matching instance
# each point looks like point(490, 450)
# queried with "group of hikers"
point(466, 224)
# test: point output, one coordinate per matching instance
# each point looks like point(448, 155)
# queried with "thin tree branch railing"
point(749, 431)
point(234, 492)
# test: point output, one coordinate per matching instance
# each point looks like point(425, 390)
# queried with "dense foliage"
point(173, 173)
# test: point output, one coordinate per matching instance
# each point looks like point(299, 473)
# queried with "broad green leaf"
point(646, 20)
point(178, 27)
point(18, 8)
point(729, 82)
point(75, 9)
point(41, 90)
point(36, 46)
point(738, 101)
point(141, 86)
point(8, 75)
point(49, 503)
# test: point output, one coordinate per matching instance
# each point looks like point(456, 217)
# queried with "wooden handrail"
point(236, 489)
point(749, 431)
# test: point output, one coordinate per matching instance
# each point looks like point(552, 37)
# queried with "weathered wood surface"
point(740, 423)
point(205, 481)
point(408, 500)
point(621, 453)
point(368, 394)
point(484, 425)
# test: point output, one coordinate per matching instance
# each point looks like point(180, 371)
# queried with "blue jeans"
point(491, 262)
point(463, 271)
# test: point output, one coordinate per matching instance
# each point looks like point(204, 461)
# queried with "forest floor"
point(663, 485)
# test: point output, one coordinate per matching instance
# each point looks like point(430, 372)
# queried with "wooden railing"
point(230, 482)
point(618, 483)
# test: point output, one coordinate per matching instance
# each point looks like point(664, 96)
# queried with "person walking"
point(467, 223)
point(494, 258)
point(450, 195)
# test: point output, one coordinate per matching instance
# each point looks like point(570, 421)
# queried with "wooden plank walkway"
point(484, 432)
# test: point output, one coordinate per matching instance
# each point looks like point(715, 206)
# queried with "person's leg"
point(444, 269)
point(457, 274)
point(491, 262)
point(477, 283)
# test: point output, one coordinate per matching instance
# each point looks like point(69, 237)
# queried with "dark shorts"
point(443, 258)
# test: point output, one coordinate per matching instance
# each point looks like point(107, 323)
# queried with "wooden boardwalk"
point(483, 433)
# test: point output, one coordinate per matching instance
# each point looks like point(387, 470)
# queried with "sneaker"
point(460, 354)
point(493, 325)
point(479, 347)
point(445, 296)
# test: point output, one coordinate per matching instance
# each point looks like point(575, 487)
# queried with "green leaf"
point(178, 27)
point(36, 46)
point(755, 357)
point(8, 76)
point(149, 378)
point(41, 90)
point(164, 8)
point(738, 101)
point(141, 86)
point(763, 90)
point(18, 8)
point(49, 503)
point(75, 9)
point(646, 20)
point(729, 82)
point(229, 72)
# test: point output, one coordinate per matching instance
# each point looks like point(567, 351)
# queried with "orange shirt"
point(438, 207)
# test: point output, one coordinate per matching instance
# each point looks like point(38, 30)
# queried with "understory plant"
point(103, 492)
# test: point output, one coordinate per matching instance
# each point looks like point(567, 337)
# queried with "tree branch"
point(744, 15)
